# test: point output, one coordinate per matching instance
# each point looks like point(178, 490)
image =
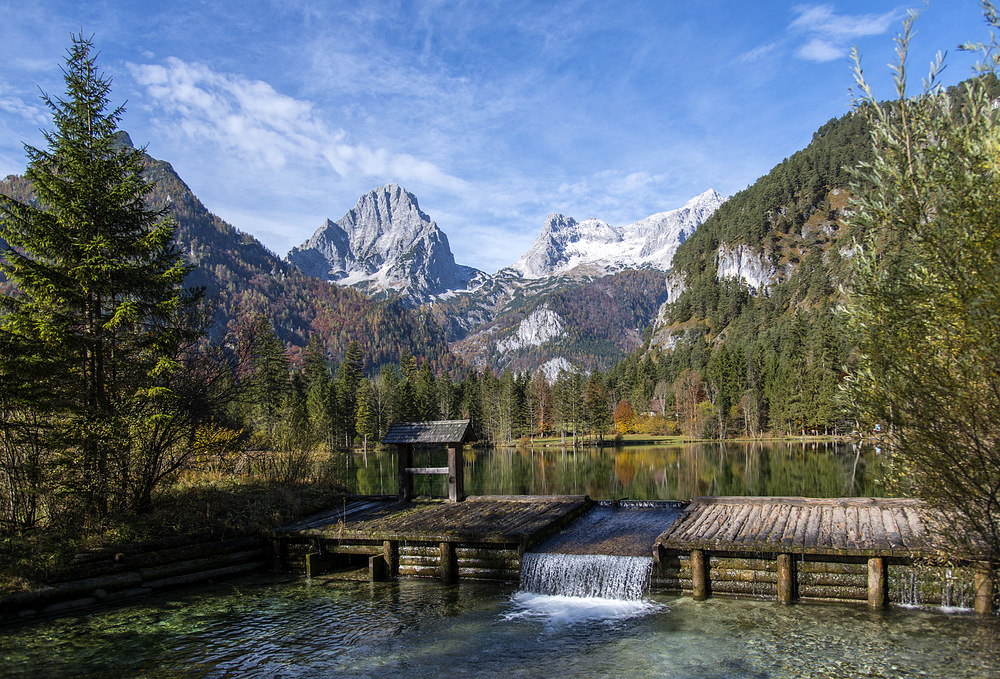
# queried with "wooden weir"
point(803, 548)
point(483, 537)
point(792, 549)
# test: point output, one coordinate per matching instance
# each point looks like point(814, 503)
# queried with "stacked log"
point(139, 569)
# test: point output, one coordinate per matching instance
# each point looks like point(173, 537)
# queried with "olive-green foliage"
point(925, 304)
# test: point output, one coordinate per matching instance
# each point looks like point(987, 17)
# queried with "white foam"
point(554, 609)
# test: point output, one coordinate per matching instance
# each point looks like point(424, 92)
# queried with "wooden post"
point(449, 563)
point(279, 554)
point(878, 578)
point(405, 455)
point(456, 473)
point(786, 579)
point(700, 585)
point(390, 552)
point(378, 569)
point(982, 588)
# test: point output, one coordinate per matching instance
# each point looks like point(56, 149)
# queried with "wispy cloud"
point(267, 128)
point(831, 35)
point(756, 54)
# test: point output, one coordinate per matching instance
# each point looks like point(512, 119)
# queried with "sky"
point(280, 114)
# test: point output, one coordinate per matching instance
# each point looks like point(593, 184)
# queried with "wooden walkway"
point(520, 520)
point(804, 548)
point(482, 537)
point(862, 527)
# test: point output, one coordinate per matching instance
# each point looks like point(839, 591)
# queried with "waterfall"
point(587, 575)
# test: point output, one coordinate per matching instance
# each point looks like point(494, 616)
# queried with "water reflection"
point(812, 469)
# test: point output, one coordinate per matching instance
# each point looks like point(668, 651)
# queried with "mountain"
point(385, 246)
point(582, 295)
point(242, 277)
point(593, 245)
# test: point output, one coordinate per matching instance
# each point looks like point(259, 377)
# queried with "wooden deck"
point(857, 527)
point(520, 520)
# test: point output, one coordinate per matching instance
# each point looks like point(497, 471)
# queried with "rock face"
point(746, 264)
point(385, 244)
point(565, 244)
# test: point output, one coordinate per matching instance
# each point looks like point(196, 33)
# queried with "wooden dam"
point(865, 550)
point(872, 550)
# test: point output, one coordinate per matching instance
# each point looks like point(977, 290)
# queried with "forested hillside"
point(242, 278)
point(749, 341)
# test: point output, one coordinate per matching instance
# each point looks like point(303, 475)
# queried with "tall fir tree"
point(98, 277)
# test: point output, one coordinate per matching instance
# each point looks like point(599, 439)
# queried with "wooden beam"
point(700, 585)
point(982, 588)
point(405, 454)
point(449, 563)
point(456, 473)
point(427, 470)
point(786, 579)
point(878, 578)
point(390, 552)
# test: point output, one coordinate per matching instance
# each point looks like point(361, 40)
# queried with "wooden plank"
point(777, 529)
point(810, 529)
point(427, 470)
point(921, 540)
point(791, 526)
point(735, 523)
point(854, 518)
point(892, 535)
point(838, 529)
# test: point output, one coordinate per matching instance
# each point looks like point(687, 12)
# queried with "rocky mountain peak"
point(565, 244)
point(384, 244)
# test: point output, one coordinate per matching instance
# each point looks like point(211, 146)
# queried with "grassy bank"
point(216, 503)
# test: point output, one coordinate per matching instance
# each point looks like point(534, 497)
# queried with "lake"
point(679, 472)
point(283, 626)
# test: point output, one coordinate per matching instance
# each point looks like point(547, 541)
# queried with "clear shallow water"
point(258, 628)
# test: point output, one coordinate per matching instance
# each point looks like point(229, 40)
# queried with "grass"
point(198, 502)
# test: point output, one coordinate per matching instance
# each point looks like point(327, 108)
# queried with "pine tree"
point(98, 280)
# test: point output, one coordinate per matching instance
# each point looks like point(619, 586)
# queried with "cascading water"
point(595, 570)
point(587, 575)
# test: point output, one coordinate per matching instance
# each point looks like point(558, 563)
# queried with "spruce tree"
point(98, 279)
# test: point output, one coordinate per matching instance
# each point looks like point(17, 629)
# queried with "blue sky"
point(494, 114)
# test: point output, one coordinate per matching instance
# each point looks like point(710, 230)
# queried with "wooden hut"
point(451, 433)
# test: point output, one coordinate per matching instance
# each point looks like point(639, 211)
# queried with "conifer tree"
point(98, 279)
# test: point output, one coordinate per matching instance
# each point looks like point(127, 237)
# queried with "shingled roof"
point(440, 431)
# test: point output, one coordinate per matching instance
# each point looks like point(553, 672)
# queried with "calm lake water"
point(825, 469)
point(280, 626)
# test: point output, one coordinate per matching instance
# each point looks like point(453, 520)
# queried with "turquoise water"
point(260, 627)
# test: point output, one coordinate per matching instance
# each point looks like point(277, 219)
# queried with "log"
point(700, 585)
point(982, 588)
point(449, 566)
point(786, 579)
point(194, 565)
point(878, 589)
point(204, 576)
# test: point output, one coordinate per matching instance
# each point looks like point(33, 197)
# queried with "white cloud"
point(820, 50)
point(831, 35)
point(266, 128)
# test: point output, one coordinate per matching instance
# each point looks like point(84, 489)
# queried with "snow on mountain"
point(565, 244)
point(385, 244)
